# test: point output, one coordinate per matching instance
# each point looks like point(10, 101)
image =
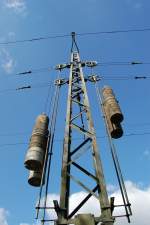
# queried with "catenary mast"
point(79, 125)
point(77, 96)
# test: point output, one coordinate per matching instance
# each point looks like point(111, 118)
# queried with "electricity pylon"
point(82, 123)
point(79, 126)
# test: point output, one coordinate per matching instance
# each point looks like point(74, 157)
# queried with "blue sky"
point(20, 19)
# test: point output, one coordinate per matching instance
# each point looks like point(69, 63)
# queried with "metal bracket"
point(60, 82)
point(94, 78)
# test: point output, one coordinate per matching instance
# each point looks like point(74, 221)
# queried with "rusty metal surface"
point(65, 180)
point(112, 105)
point(37, 146)
point(35, 177)
point(115, 129)
point(77, 96)
point(85, 219)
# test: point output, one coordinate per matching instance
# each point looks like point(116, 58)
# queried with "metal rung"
point(42, 207)
point(85, 132)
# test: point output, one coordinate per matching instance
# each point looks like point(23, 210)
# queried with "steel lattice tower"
point(78, 97)
point(79, 125)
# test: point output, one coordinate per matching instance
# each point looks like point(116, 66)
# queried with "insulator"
point(61, 66)
point(114, 111)
point(91, 63)
point(115, 129)
point(37, 146)
point(35, 177)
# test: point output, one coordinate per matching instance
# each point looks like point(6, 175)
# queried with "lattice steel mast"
point(79, 126)
point(77, 96)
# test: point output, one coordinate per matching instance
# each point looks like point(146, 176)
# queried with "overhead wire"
point(49, 151)
point(76, 139)
point(125, 199)
point(37, 70)
point(114, 31)
point(45, 162)
point(48, 100)
point(46, 84)
point(47, 69)
point(132, 63)
point(42, 38)
point(22, 88)
point(52, 130)
point(34, 39)
point(49, 97)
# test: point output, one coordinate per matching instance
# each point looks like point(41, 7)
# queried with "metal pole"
point(65, 180)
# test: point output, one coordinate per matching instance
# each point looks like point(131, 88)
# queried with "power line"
point(42, 38)
point(40, 85)
point(44, 84)
point(61, 140)
point(124, 77)
point(48, 69)
point(34, 39)
point(38, 70)
point(132, 63)
point(113, 32)
point(11, 144)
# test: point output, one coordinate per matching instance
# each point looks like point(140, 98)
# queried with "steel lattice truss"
point(81, 123)
point(81, 161)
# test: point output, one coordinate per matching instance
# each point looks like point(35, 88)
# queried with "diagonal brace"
point(83, 186)
point(84, 170)
point(80, 146)
point(82, 203)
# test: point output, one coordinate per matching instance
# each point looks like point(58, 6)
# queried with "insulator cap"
point(115, 129)
point(91, 64)
point(61, 66)
point(35, 178)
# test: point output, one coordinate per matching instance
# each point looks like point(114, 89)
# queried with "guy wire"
point(115, 160)
point(52, 131)
point(52, 134)
point(50, 113)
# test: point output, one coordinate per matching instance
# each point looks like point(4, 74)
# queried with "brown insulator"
point(35, 178)
point(114, 111)
point(38, 143)
point(115, 129)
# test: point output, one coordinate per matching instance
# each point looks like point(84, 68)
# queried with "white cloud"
point(37, 223)
point(111, 188)
point(3, 216)
point(140, 202)
point(19, 6)
point(24, 224)
point(7, 62)
point(139, 199)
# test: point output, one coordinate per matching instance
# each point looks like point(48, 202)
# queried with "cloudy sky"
point(25, 20)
